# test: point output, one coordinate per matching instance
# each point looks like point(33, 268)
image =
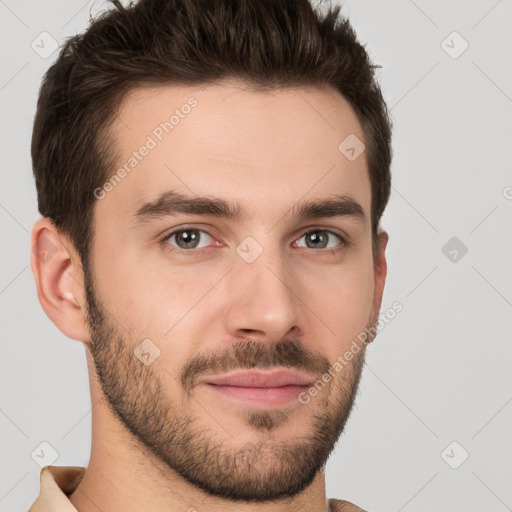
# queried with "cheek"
point(341, 300)
point(168, 305)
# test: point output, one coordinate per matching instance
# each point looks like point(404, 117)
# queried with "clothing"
point(58, 482)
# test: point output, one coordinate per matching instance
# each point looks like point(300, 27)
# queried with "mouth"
point(259, 388)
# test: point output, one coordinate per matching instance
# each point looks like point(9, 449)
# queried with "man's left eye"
point(319, 239)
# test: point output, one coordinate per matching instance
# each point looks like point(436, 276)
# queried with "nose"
point(262, 300)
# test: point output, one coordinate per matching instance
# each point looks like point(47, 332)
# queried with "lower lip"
point(259, 397)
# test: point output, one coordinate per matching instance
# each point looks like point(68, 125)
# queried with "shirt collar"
point(58, 482)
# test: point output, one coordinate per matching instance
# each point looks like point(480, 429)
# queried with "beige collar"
point(58, 482)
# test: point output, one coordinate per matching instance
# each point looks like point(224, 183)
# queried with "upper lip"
point(261, 378)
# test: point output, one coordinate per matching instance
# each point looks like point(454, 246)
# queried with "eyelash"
point(344, 244)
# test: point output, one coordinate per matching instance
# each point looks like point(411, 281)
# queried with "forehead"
point(230, 141)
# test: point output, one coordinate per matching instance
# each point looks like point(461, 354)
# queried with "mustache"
point(251, 354)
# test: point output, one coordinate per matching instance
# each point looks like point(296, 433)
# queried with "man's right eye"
point(186, 239)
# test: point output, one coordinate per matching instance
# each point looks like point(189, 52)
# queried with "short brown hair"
point(266, 43)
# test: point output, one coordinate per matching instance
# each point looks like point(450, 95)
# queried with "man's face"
point(215, 295)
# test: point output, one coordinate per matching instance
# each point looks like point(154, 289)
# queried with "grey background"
point(439, 372)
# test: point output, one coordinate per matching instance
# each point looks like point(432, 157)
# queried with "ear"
point(57, 270)
point(379, 271)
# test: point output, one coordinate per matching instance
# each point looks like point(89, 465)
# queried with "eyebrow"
point(171, 203)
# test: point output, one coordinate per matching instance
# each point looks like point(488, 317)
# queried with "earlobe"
point(58, 275)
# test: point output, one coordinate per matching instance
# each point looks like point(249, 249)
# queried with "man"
point(211, 177)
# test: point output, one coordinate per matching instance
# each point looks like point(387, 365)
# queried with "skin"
point(160, 440)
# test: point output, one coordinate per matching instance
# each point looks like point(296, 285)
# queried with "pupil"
point(188, 237)
point(316, 237)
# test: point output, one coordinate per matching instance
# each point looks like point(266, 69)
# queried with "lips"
point(261, 378)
